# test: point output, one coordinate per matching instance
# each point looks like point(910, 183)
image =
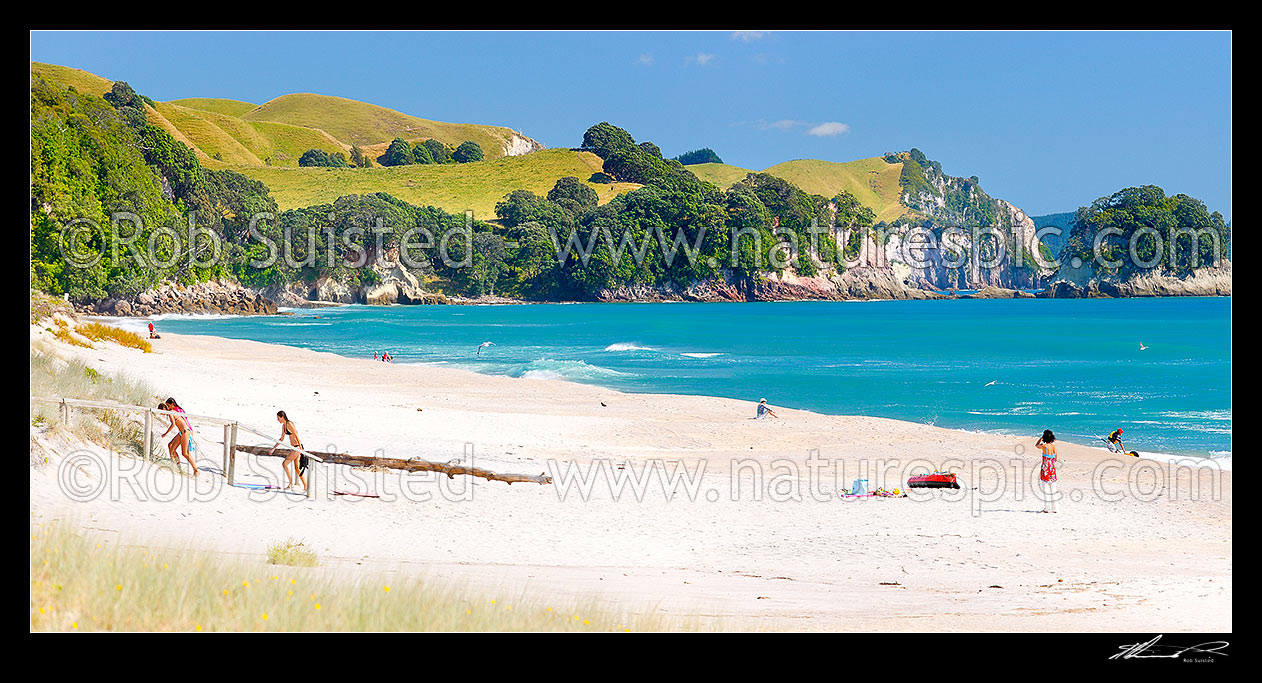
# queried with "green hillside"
point(451, 187)
point(363, 124)
point(236, 141)
point(723, 175)
point(216, 105)
point(276, 133)
point(873, 181)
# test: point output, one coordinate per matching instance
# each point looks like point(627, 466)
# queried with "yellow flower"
point(199, 628)
point(317, 605)
point(164, 565)
point(587, 623)
point(118, 587)
point(245, 583)
point(74, 624)
point(265, 616)
point(292, 581)
point(468, 611)
point(387, 589)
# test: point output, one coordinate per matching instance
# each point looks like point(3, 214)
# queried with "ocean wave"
point(701, 355)
point(628, 346)
point(572, 370)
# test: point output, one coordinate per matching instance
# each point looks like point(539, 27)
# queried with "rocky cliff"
point(205, 297)
point(1208, 281)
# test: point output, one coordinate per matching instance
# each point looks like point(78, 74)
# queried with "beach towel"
point(860, 487)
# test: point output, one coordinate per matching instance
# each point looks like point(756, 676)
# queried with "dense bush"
point(705, 155)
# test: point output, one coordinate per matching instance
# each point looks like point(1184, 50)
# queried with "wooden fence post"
point(65, 412)
point(232, 452)
point(311, 478)
point(148, 433)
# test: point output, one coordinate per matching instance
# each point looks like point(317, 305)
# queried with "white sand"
point(1157, 563)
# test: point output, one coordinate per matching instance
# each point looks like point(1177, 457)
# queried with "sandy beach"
point(1137, 544)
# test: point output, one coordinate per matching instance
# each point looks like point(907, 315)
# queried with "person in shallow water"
point(1047, 471)
point(764, 410)
point(295, 459)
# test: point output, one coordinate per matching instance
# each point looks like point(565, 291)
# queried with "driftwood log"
point(405, 465)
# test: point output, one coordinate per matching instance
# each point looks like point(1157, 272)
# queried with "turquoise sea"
point(1016, 366)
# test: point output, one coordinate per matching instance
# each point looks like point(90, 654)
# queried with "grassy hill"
point(873, 181)
point(363, 124)
point(236, 141)
point(452, 187)
point(216, 105)
point(277, 132)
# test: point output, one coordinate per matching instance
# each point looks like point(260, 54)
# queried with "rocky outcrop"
point(992, 292)
point(1209, 281)
point(518, 144)
point(205, 297)
point(857, 283)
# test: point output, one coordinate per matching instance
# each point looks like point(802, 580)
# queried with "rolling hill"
point(277, 132)
point(873, 181)
point(451, 187)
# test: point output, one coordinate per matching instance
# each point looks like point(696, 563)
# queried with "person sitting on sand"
point(764, 410)
point(152, 334)
point(1047, 472)
point(182, 436)
point(294, 458)
point(385, 356)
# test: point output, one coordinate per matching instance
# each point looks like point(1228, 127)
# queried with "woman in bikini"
point(298, 460)
point(182, 436)
point(1047, 472)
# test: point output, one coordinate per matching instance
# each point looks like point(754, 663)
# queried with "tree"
point(705, 155)
point(319, 157)
point(574, 191)
point(467, 151)
point(358, 158)
point(128, 103)
point(439, 151)
point(399, 153)
point(421, 153)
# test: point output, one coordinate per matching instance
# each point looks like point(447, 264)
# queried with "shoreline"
point(1207, 457)
point(750, 562)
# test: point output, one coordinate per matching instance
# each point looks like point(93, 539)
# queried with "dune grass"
point(44, 306)
point(100, 332)
point(78, 584)
point(452, 187)
point(291, 553)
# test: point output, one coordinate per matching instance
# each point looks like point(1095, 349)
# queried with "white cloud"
point(829, 129)
point(704, 58)
point(748, 36)
point(782, 124)
point(645, 59)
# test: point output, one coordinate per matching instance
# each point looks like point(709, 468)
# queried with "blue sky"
point(1049, 121)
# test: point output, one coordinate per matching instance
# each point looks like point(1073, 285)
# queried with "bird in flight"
point(1142, 347)
point(991, 382)
point(483, 345)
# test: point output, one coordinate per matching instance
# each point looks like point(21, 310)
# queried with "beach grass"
point(81, 584)
point(292, 553)
point(101, 332)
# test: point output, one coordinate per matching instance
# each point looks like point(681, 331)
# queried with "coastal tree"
point(399, 153)
point(468, 151)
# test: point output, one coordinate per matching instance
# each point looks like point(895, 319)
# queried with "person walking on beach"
point(1047, 472)
point(182, 436)
point(296, 459)
point(764, 410)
